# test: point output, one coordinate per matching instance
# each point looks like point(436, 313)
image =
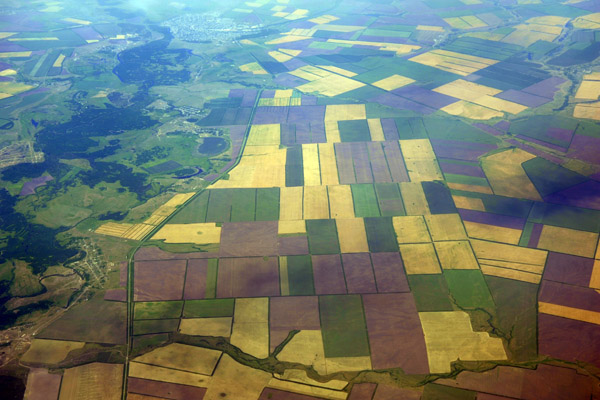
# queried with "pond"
point(213, 145)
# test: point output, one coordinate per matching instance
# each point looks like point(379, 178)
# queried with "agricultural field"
point(297, 199)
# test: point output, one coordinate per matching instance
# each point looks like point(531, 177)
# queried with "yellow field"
point(329, 172)
point(294, 387)
point(336, 364)
point(393, 82)
point(399, 49)
point(588, 90)
point(297, 14)
point(45, 351)
point(253, 67)
point(526, 37)
point(506, 175)
point(376, 130)
point(551, 20)
point(433, 28)
point(13, 88)
point(590, 21)
point(323, 19)
point(345, 112)
point(8, 72)
point(468, 203)
point(290, 52)
point(338, 70)
point(420, 258)
point(479, 94)
point(413, 196)
point(449, 336)
point(445, 227)
point(281, 57)
point(569, 241)
point(206, 326)
point(496, 37)
point(251, 326)
point(341, 204)
point(58, 62)
point(291, 227)
point(182, 357)
point(32, 39)
point(420, 160)
point(306, 348)
point(588, 316)
point(310, 162)
point(287, 39)
point(332, 85)
point(284, 282)
point(77, 21)
point(589, 111)
point(470, 110)
point(316, 203)
point(264, 135)
point(4, 35)
point(260, 166)
point(466, 22)
point(456, 255)
point(155, 373)
point(470, 188)
point(125, 231)
point(493, 233)
point(339, 28)
point(509, 273)
point(411, 229)
point(512, 262)
point(458, 63)
point(280, 93)
point(352, 235)
point(290, 203)
point(280, 102)
point(595, 278)
point(233, 380)
point(95, 381)
point(200, 233)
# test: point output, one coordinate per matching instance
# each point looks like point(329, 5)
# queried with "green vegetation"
point(430, 292)
point(343, 326)
point(322, 236)
point(208, 308)
point(158, 310)
point(300, 276)
point(365, 200)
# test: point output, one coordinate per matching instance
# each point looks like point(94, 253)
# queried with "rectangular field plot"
point(381, 235)
point(158, 310)
point(457, 63)
point(359, 273)
point(389, 199)
point(343, 326)
point(328, 274)
point(300, 276)
point(352, 235)
point(248, 277)
point(322, 236)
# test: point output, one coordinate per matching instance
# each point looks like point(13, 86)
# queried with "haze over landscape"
point(300, 199)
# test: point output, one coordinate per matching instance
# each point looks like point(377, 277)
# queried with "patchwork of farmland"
point(391, 199)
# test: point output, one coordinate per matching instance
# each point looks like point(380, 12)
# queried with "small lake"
point(213, 145)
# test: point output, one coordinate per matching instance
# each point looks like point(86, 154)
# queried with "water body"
point(212, 146)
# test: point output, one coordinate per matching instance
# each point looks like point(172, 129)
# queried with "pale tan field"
point(393, 82)
point(480, 95)
point(329, 172)
point(466, 22)
point(200, 233)
point(493, 233)
point(458, 63)
point(279, 56)
point(420, 160)
point(470, 188)
point(415, 202)
point(590, 21)
point(260, 166)
point(411, 229)
point(284, 281)
point(155, 373)
point(376, 130)
point(512, 262)
point(588, 111)
point(253, 67)
point(420, 258)
point(400, 49)
point(506, 175)
point(445, 227)
point(456, 255)
point(220, 326)
point(290, 203)
point(95, 381)
point(251, 326)
point(592, 317)
point(352, 235)
point(336, 364)
point(470, 110)
point(468, 203)
point(182, 357)
point(310, 162)
point(316, 203)
point(341, 203)
point(449, 336)
point(338, 70)
point(264, 135)
point(290, 227)
point(45, 351)
point(569, 241)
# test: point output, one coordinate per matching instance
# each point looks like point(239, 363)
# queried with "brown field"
point(182, 357)
point(92, 381)
point(41, 385)
point(44, 351)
